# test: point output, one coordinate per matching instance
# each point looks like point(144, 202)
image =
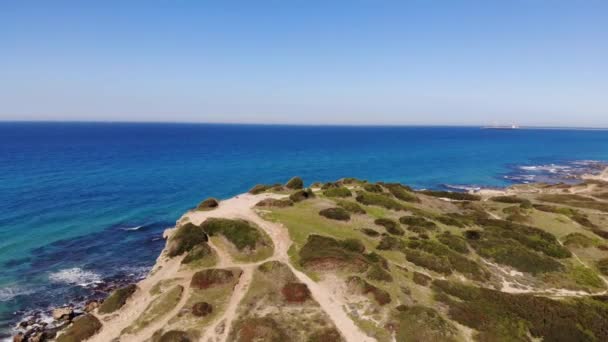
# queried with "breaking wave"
point(75, 276)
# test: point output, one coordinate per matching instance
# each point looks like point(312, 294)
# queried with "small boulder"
point(202, 309)
point(65, 313)
point(82, 328)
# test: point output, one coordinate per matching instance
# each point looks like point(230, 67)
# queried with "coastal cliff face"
point(359, 261)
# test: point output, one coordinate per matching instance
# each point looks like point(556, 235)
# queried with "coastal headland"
point(352, 260)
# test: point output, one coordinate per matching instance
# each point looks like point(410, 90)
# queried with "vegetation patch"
point(337, 213)
point(500, 316)
point(259, 188)
point(376, 272)
point(275, 203)
point(451, 260)
point(259, 329)
point(326, 335)
point(370, 232)
point(429, 261)
point(602, 266)
point(295, 183)
point(402, 192)
point(240, 233)
point(509, 200)
point(185, 238)
point(381, 200)
point(208, 204)
point(390, 243)
point(294, 292)
point(578, 240)
point(201, 309)
point(327, 252)
point(454, 242)
point(372, 187)
point(575, 201)
point(360, 286)
point(174, 336)
point(159, 307)
point(199, 252)
point(301, 195)
point(117, 299)
point(351, 207)
point(418, 221)
point(82, 328)
point(421, 279)
point(391, 226)
point(458, 196)
point(337, 192)
point(421, 323)
point(213, 277)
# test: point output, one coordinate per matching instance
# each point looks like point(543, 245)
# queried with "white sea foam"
point(75, 276)
point(10, 292)
point(463, 187)
point(133, 228)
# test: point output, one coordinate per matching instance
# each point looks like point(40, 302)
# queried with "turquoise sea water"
point(82, 203)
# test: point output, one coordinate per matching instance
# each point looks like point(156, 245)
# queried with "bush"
point(335, 214)
point(301, 195)
point(420, 323)
point(361, 286)
point(390, 243)
point(377, 273)
point(509, 199)
point(295, 183)
point(201, 309)
point(421, 279)
point(456, 243)
point(185, 238)
point(117, 299)
point(458, 196)
point(322, 249)
point(416, 221)
point(337, 192)
point(239, 232)
point(602, 266)
point(391, 226)
point(370, 232)
point(259, 188)
point(258, 329)
point(174, 336)
point(401, 192)
point(325, 335)
point(208, 204)
point(503, 316)
point(351, 207)
point(82, 328)
point(427, 260)
point(455, 260)
point(578, 240)
point(213, 277)
point(372, 187)
point(275, 203)
point(199, 252)
point(575, 201)
point(369, 198)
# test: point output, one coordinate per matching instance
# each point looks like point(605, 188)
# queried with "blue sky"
point(535, 62)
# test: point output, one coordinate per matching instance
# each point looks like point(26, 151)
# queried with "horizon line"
point(519, 127)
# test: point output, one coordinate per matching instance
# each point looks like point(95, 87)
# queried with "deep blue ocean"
point(84, 203)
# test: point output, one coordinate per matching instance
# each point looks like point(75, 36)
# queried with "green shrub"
point(377, 273)
point(421, 279)
point(335, 214)
point(509, 199)
point(372, 187)
point(199, 252)
point(416, 221)
point(361, 286)
point(82, 328)
point(351, 207)
point(325, 335)
point(458, 196)
point(454, 242)
point(602, 266)
point(578, 240)
point(575, 201)
point(239, 232)
point(117, 299)
point(185, 238)
point(427, 260)
point(369, 198)
point(390, 243)
point(301, 195)
point(259, 188)
point(295, 183)
point(391, 226)
point(337, 192)
point(370, 232)
point(320, 249)
point(175, 336)
point(402, 192)
point(213, 277)
point(504, 316)
point(274, 203)
point(451, 220)
point(455, 260)
point(208, 204)
point(420, 323)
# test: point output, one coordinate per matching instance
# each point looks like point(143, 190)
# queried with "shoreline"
point(227, 208)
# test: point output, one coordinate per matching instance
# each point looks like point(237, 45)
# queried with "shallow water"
point(86, 203)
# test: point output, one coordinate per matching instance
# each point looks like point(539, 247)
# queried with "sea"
point(83, 205)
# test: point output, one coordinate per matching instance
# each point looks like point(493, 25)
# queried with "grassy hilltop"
point(353, 260)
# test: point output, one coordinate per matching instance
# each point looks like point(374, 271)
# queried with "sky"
point(534, 62)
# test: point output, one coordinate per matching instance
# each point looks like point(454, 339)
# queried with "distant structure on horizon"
point(501, 127)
